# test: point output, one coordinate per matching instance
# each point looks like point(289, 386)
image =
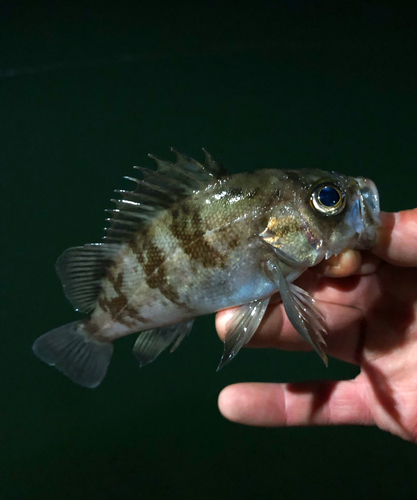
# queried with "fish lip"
point(369, 211)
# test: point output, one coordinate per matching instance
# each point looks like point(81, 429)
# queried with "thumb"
point(397, 238)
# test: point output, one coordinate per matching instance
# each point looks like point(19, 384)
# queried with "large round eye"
point(328, 199)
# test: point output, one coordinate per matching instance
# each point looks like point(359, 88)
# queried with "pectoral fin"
point(241, 328)
point(300, 309)
point(151, 343)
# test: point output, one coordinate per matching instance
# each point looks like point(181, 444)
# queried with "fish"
point(191, 239)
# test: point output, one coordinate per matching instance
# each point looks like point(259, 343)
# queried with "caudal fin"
point(69, 348)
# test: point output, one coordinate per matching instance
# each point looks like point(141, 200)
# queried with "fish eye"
point(328, 199)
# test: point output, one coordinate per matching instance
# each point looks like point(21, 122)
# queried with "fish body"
point(191, 240)
point(200, 256)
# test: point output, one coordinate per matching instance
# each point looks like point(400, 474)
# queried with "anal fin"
point(151, 343)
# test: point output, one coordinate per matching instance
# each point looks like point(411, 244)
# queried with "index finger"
point(397, 238)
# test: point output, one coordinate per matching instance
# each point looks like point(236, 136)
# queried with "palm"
point(372, 322)
point(381, 328)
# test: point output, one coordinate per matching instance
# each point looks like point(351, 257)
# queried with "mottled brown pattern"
point(228, 237)
point(155, 257)
point(113, 306)
point(116, 304)
point(285, 225)
point(202, 251)
point(159, 280)
point(130, 312)
point(117, 282)
point(188, 228)
point(152, 260)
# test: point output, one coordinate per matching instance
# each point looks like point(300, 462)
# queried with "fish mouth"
point(368, 212)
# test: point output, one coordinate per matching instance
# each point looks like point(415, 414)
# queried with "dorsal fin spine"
point(157, 191)
point(140, 182)
point(166, 165)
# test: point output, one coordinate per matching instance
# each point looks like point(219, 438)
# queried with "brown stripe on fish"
point(115, 301)
point(119, 308)
point(159, 280)
point(189, 229)
point(152, 258)
point(149, 255)
point(226, 238)
point(112, 305)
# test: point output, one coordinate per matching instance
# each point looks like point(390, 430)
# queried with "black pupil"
point(329, 196)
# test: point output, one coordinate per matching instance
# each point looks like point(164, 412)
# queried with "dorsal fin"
point(81, 270)
point(157, 190)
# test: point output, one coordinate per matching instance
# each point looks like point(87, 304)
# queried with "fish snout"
point(369, 211)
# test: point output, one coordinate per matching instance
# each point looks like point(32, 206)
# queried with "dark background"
point(86, 92)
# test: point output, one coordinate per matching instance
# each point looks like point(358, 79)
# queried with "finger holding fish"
point(349, 262)
point(397, 238)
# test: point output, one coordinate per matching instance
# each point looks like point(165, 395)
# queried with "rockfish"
point(191, 239)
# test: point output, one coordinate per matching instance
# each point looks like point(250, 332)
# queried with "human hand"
point(370, 305)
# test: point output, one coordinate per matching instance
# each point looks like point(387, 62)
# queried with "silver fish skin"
point(191, 240)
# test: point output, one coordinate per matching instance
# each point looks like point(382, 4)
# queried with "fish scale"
point(191, 239)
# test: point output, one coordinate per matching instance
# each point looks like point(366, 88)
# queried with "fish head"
point(354, 220)
point(321, 213)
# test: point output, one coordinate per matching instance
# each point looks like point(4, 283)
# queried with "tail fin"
point(69, 348)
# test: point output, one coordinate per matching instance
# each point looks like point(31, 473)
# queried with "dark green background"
point(86, 92)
